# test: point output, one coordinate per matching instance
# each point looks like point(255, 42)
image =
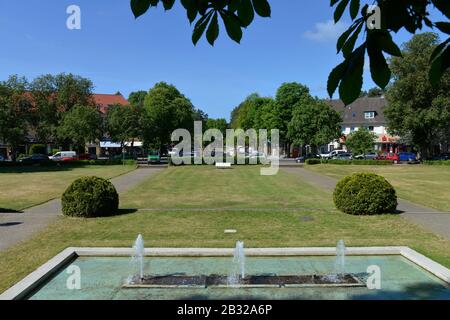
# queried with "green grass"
point(207, 187)
point(426, 185)
point(23, 187)
point(234, 197)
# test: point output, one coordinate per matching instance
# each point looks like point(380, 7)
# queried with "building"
point(364, 113)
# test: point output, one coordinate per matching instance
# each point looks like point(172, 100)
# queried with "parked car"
point(407, 157)
point(332, 154)
point(64, 156)
point(153, 157)
point(35, 159)
point(343, 156)
point(259, 156)
point(367, 156)
point(388, 157)
point(303, 159)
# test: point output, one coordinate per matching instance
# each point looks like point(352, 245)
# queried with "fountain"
point(237, 277)
point(339, 265)
point(238, 268)
point(138, 261)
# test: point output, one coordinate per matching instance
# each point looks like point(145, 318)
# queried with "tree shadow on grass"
point(123, 212)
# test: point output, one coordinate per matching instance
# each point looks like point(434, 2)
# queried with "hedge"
point(350, 162)
point(76, 163)
point(38, 149)
point(437, 162)
point(90, 197)
point(365, 194)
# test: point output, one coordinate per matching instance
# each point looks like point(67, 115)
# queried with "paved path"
point(431, 219)
point(16, 227)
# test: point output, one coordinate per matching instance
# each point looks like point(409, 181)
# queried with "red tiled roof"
point(104, 101)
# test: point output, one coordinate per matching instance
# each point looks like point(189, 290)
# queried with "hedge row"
point(350, 162)
point(437, 162)
point(77, 163)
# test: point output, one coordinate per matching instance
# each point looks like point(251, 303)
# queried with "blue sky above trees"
point(118, 52)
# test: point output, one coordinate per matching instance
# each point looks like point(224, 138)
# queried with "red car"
point(388, 157)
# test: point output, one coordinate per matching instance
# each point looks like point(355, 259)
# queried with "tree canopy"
point(124, 123)
point(361, 141)
point(396, 15)
point(415, 108)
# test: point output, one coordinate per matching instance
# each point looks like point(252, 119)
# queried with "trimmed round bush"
point(365, 194)
point(90, 197)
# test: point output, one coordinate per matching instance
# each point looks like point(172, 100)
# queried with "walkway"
point(16, 227)
point(431, 219)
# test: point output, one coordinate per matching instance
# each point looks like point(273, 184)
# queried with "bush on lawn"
point(38, 149)
point(365, 194)
point(90, 197)
point(313, 161)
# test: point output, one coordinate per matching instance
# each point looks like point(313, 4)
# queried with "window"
point(369, 115)
point(371, 128)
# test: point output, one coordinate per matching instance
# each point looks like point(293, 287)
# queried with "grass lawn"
point(21, 188)
point(237, 198)
point(426, 185)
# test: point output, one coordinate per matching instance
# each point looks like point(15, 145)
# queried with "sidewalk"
point(431, 219)
point(16, 227)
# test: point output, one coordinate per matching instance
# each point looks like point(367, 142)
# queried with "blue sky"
point(119, 53)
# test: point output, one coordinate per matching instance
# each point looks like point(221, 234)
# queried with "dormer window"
point(369, 115)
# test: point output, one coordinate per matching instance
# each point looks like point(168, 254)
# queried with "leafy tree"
point(314, 123)
point(415, 108)
point(15, 109)
point(219, 124)
point(409, 15)
point(376, 92)
point(137, 98)
point(361, 141)
point(124, 123)
point(166, 110)
point(81, 125)
point(53, 96)
point(241, 115)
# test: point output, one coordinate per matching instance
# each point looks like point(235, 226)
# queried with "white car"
point(332, 154)
point(59, 156)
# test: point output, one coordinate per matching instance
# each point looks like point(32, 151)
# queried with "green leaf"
point(348, 47)
point(344, 37)
point(388, 45)
point(200, 26)
point(335, 77)
point(333, 2)
point(262, 8)
point(246, 13)
point(233, 5)
point(352, 80)
point(354, 8)
point(139, 7)
point(440, 63)
point(232, 25)
point(191, 9)
point(443, 26)
point(340, 10)
point(381, 74)
point(213, 30)
point(168, 4)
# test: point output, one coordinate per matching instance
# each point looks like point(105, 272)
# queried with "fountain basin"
point(406, 274)
point(261, 281)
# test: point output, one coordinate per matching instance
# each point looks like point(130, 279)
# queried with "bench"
point(223, 165)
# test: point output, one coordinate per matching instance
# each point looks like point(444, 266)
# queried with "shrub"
point(437, 162)
point(38, 149)
point(90, 197)
point(313, 161)
point(365, 194)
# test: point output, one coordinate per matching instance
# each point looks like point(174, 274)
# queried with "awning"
point(109, 144)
